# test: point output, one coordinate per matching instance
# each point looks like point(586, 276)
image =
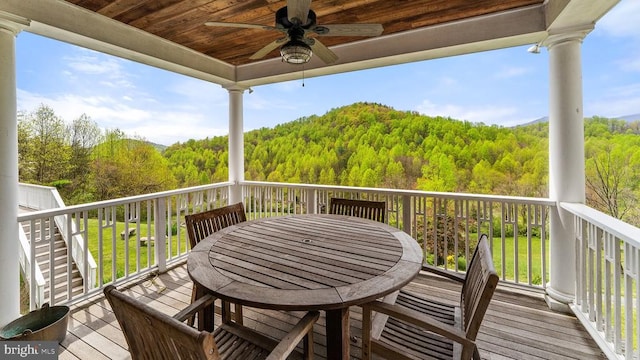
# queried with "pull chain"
point(302, 75)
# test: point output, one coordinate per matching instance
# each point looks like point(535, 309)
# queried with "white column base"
point(558, 301)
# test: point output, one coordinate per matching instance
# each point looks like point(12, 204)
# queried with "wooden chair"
point(417, 328)
point(372, 210)
point(203, 224)
point(153, 335)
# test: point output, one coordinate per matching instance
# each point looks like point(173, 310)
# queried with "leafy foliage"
point(82, 163)
point(376, 146)
point(363, 144)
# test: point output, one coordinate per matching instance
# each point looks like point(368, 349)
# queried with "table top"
point(305, 262)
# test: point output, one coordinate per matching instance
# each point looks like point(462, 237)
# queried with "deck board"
point(518, 324)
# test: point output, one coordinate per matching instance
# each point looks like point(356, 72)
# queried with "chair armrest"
point(195, 306)
point(445, 273)
point(423, 321)
point(291, 340)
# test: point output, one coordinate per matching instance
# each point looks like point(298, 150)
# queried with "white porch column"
point(9, 243)
point(566, 160)
point(236, 142)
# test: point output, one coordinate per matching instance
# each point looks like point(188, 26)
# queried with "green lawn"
point(147, 250)
point(147, 253)
point(510, 256)
point(522, 255)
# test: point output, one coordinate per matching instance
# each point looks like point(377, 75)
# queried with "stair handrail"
point(25, 264)
point(38, 197)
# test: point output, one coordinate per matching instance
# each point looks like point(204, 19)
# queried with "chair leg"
point(307, 346)
point(194, 297)
point(476, 353)
point(366, 332)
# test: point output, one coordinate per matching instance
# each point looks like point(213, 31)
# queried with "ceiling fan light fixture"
point(296, 52)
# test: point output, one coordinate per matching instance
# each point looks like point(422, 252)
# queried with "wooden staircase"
point(60, 280)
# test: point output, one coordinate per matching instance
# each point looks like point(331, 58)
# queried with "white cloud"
point(108, 71)
point(92, 66)
point(511, 72)
point(622, 20)
point(489, 114)
point(157, 105)
point(630, 64)
point(159, 124)
point(618, 101)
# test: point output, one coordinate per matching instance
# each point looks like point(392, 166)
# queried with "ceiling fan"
point(297, 21)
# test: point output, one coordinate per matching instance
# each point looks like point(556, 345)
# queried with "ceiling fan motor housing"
point(282, 19)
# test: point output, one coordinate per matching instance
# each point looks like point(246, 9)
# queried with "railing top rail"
point(126, 200)
point(36, 186)
point(461, 196)
point(617, 227)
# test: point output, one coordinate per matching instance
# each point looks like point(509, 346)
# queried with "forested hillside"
point(373, 145)
point(376, 146)
point(363, 144)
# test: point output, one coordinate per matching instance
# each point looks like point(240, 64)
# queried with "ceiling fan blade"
point(240, 25)
point(267, 49)
point(298, 9)
point(349, 30)
point(323, 52)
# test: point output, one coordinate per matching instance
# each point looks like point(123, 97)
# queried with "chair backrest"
point(372, 210)
point(205, 223)
point(480, 283)
point(153, 335)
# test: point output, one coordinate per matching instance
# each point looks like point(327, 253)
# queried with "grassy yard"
point(512, 251)
point(127, 248)
point(147, 252)
point(522, 256)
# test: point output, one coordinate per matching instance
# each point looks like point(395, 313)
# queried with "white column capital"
point(12, 23)
point(236, 88)
point(574, 33)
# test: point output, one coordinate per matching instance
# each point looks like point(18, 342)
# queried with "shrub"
point(462, 263)
point(173, 230)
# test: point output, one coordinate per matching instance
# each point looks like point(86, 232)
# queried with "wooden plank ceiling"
point(182, 21)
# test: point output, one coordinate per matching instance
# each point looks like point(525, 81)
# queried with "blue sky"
point(504, 87)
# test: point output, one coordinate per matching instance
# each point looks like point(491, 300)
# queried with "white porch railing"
point(607, 280)
point(36, 197)
point(446, 224)
point(32, 274)
point(128, 237)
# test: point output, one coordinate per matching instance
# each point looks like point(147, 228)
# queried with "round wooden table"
point(307, 262)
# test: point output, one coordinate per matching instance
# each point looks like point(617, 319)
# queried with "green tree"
point(125, 167)
point(84, 134)
point(612, 174)
point(48, 154)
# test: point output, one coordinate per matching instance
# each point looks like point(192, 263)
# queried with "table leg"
point(338, 334)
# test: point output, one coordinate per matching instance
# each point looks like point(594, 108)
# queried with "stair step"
point(60, 268)
point(57, 253)
point(61, 293)
point(43, 246)
point(59, 283)
point(61, 276)
point(44, 264)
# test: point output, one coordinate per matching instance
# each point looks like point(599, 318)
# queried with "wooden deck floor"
point(518, 324)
